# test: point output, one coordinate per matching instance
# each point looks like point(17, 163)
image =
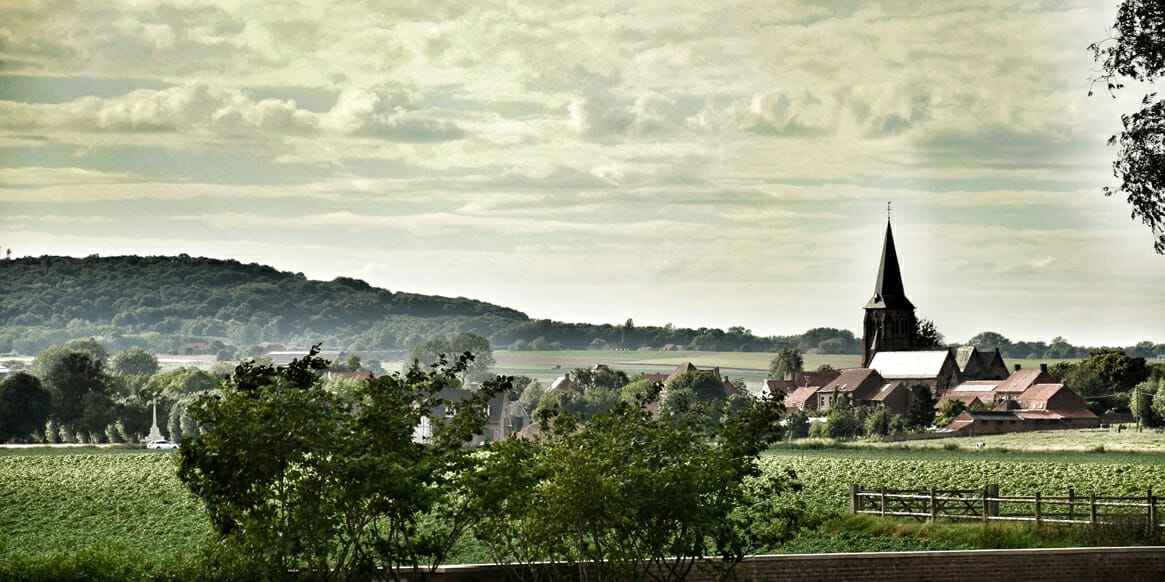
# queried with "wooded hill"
point(160, 302)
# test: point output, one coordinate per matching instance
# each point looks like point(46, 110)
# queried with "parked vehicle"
point(161, 445)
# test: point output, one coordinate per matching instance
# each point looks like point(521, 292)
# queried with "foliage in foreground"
point(633, 497)
point(300, 479)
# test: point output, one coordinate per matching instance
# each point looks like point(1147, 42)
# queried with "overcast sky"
point(699, 163)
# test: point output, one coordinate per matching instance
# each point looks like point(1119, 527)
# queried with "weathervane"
point(887, 211)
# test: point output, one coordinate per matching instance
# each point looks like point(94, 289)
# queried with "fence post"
point(1092, 510)
point(986, 504)
point(1071, 503)
point(1152, 513)
point(1037, 509)
point(853, 498)
point(883, 501)
point(993, 490)
point(933, 507)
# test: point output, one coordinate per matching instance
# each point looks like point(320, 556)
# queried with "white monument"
point(155, 432)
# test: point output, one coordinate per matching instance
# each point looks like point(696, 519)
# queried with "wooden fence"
point(987, 505)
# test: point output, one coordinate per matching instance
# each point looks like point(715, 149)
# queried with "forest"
point(161, 302)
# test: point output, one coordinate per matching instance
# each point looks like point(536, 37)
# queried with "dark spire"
point(888, 291)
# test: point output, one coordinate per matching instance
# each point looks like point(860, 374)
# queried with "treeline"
point(160, 302)
point(1057, 349)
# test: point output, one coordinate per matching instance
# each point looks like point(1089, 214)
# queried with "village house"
point(797, 380)
point(865, 387)
point(1026, 400)
point(498, 412)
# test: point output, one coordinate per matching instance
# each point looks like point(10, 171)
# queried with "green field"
point(64, 500)
point(58, 499)
point(827, 474)
point(750, 366)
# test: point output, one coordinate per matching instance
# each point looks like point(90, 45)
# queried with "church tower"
point(890, 323)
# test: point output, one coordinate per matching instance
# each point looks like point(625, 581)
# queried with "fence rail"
point(986, 504)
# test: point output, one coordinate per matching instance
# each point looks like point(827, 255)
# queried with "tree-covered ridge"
point(209, 298)
point(143, 291)
point(159, 302)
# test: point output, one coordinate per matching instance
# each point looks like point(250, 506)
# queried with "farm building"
point(1025, 400)
point(795, 381)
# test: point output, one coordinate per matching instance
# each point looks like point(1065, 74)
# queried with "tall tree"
point(481, 367)
point(920, 413)
point(24, 406)
point(990, 340)
point(79, 389)
point(134, 362)
point(926, 335)
point(318, 486)
point(633, 497)
point(787, 361)
point(1135, 51)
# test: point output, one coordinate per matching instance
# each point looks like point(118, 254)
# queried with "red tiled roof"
point(798, 397)
point(1021, 380)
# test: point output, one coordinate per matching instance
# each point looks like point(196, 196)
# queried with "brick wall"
point(1139, 564)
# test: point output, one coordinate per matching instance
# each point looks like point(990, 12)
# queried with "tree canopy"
point(303, 480)
point(1135, 51)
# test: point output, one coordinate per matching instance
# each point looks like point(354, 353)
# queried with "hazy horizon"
point(671, 162)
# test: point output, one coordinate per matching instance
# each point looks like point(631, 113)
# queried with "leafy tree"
point(1141, 404)
point(787, 361)
point(843, 421)
point(632, 497)
point(134, 362)
point(832, 345)
point(827, 368)
point(48, 358)
point(948, 411)
point(1157, 389)
point(920, 413)
point(881, 422)
point(927, 336)
point(797, 424)
point(990, 340)
point(692, 388)
point(430, 351)
point(80, 392)
point(1136, 50)
point(479, 369)
point(531, 395)
point(1117, 371)
point(24, 406)
point(304, 481)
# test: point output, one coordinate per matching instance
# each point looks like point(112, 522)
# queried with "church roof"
point(910, 365)
point(888, 291)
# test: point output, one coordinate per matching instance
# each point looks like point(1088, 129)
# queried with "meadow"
point(67, 500)
point(752, 367)
point(63, 499)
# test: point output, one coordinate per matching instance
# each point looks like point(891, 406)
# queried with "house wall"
point(1138, 564)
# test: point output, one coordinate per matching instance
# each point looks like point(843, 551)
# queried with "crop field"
point(751, 366)
point(827, 474)
point(133, 498)
point(64, 500)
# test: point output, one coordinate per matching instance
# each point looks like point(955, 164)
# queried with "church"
point(894, 358)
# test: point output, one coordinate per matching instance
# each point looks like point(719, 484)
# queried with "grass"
point(1126, 439)
point(752, 367)
point(76, 509)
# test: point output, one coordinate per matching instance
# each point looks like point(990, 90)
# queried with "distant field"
point(1110, 440)
point(751, 366)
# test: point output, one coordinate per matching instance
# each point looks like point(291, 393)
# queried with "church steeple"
point(890, 323)
point(888, 291)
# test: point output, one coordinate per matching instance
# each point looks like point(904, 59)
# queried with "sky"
point(705, 164)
